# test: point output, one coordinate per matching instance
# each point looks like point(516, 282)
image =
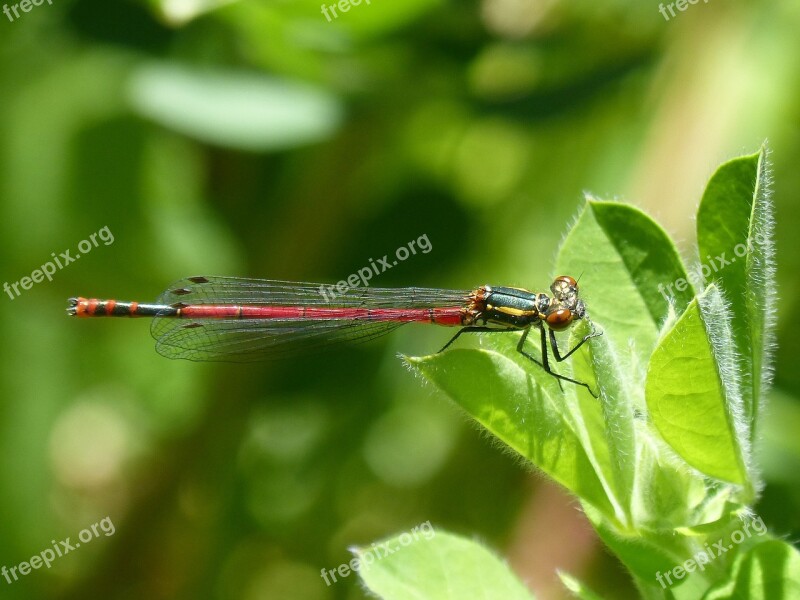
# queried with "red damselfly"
point(239, 320)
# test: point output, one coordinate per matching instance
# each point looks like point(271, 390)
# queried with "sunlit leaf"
point(770, 571)
point(501, 395)
point(735, 234)
point(689, 403)
point(443, 567)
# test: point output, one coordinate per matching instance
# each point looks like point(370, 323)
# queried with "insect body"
point(234, 319)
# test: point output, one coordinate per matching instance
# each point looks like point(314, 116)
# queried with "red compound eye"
point(559, 319)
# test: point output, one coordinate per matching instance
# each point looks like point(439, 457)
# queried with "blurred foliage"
point(476, 123)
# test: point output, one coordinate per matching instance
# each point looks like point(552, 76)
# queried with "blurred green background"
point(258, 138)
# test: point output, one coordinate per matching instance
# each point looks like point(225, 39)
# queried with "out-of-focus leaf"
point(247, 111)
point(368, 18)
point(179, 12)
point(779, 444)
point(578, 588)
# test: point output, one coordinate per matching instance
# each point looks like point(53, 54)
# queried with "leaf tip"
point(411, 361)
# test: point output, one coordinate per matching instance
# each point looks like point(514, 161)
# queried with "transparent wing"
point(248, 339)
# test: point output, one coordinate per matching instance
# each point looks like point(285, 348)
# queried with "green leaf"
point(589, 446)
point(692, 407)
point(439, 567)
point(666, 494)
point(500, 393)
point(769, 571)
point(589, 254)
point(668, 375)
point(612, 432)
point(735, 225)
point(642, 556)
point(620, 252)
point(649, 256)
point(237, 110)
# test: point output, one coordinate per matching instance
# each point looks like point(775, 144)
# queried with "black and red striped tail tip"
point(72, 309)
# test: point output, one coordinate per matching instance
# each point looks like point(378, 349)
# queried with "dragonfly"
point(241, 320)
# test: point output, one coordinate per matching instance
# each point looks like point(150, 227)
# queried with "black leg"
point(546, 359)
point(545, 364)
point(554, 345)
point(471, 330)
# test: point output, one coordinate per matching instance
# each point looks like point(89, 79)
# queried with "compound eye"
point(564, 286)
point(569, 280)
point(559, 319)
